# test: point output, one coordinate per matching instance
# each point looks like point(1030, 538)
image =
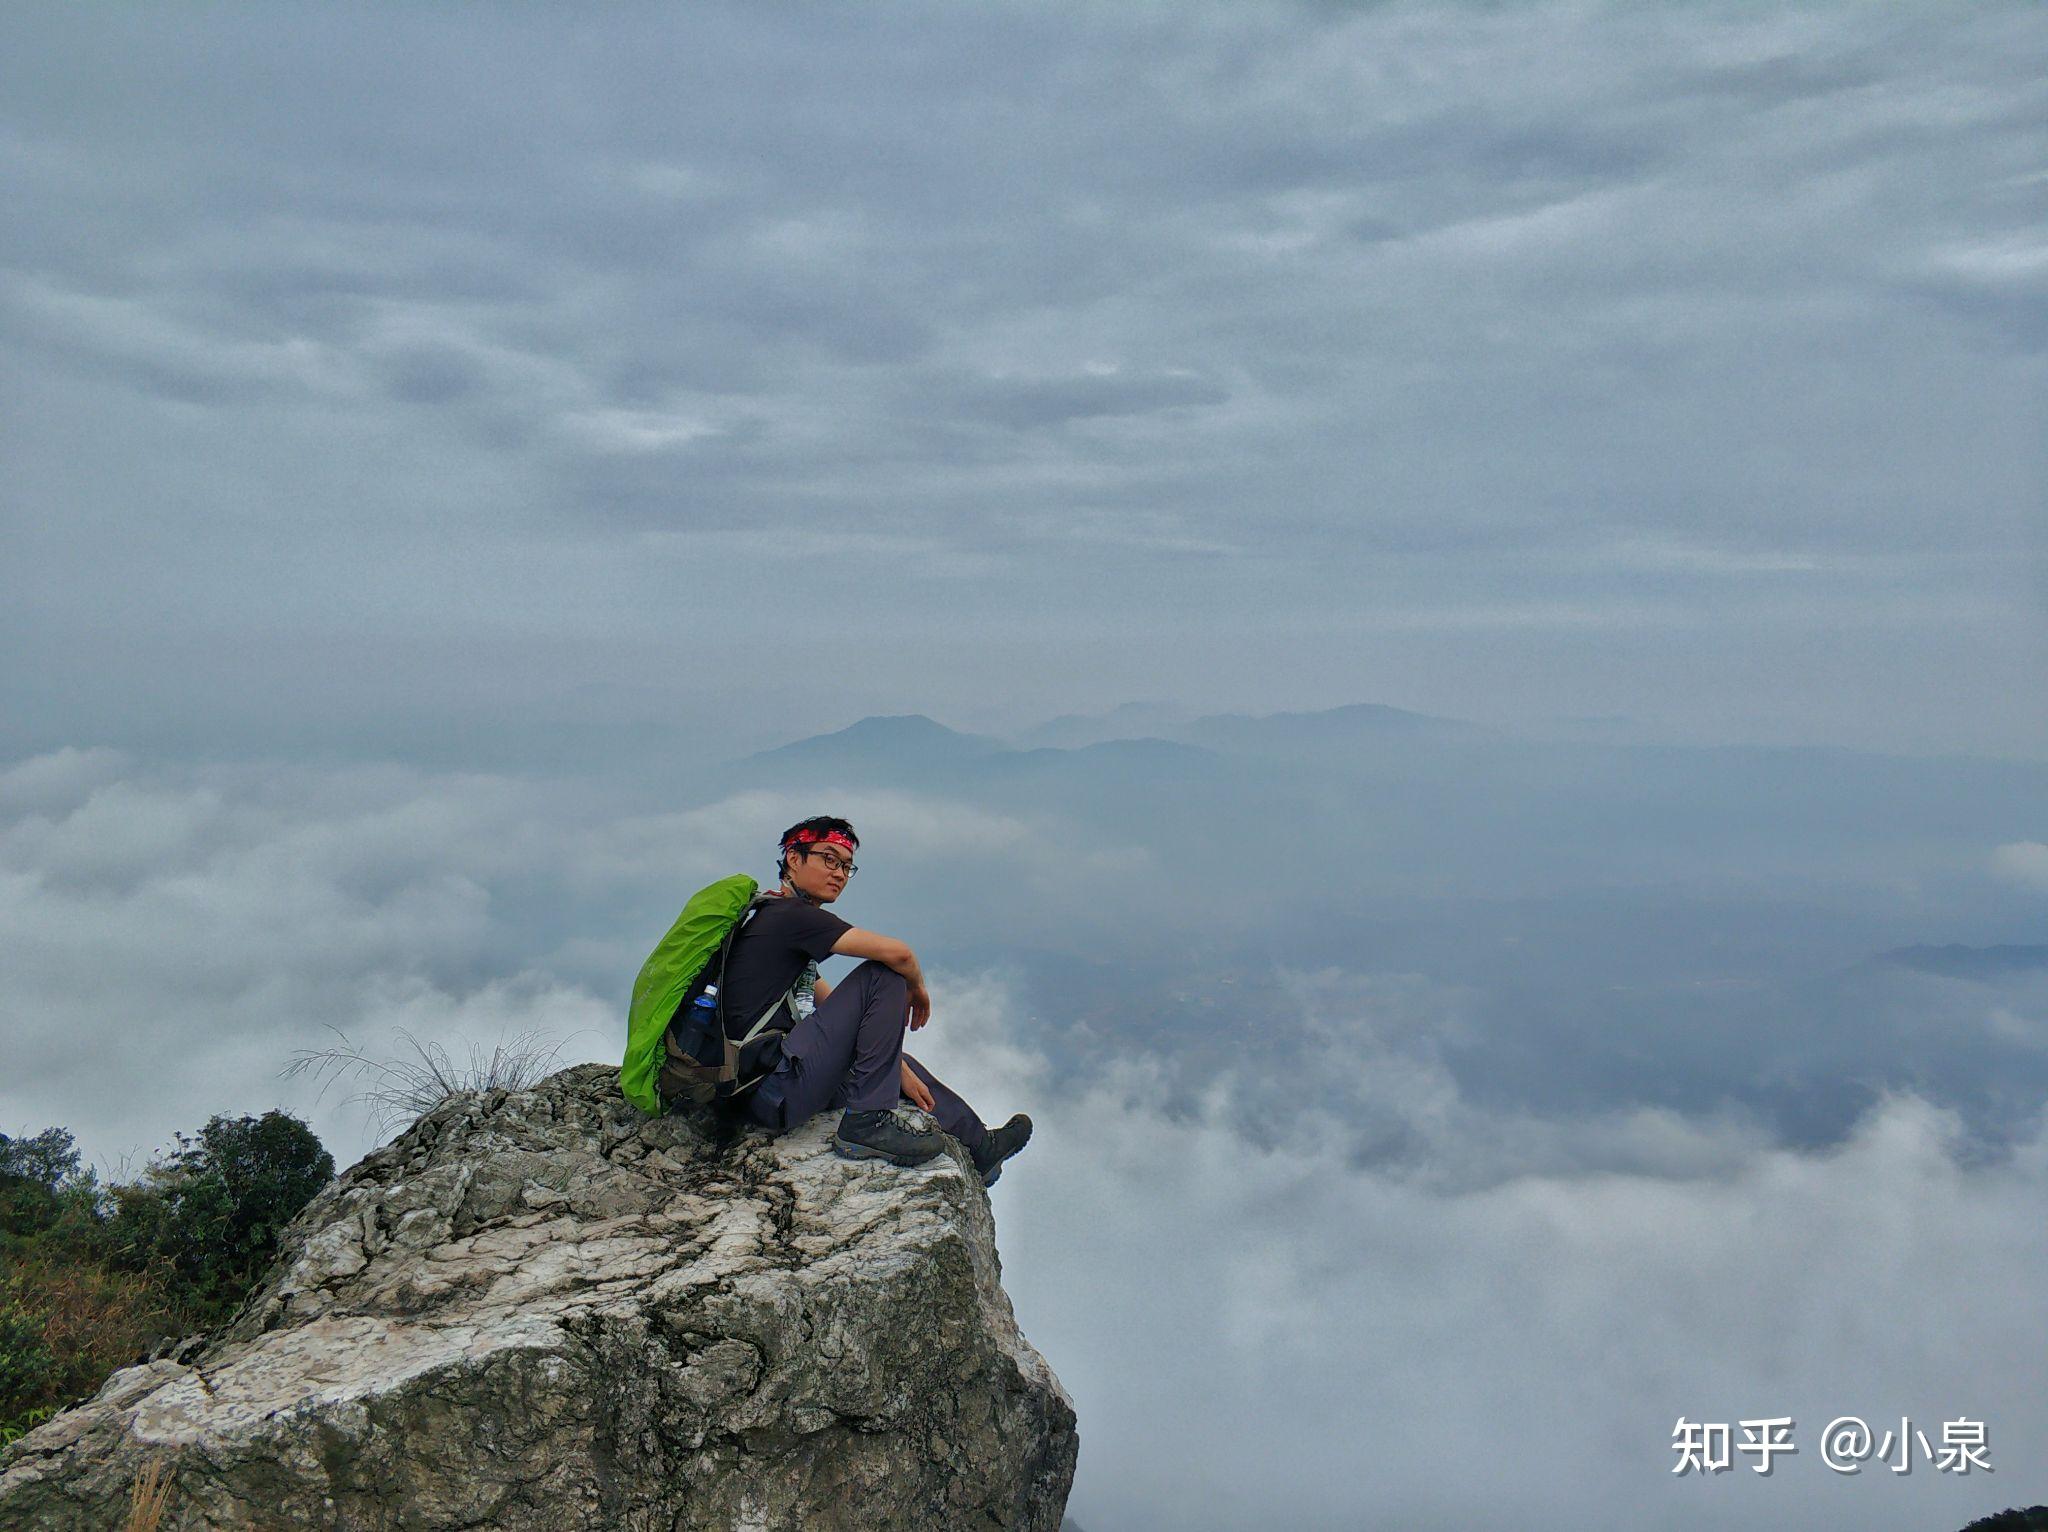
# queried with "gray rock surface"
point(541, 1310)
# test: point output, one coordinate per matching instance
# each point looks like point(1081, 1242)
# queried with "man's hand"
point(920, 1004)
point(915, 1090)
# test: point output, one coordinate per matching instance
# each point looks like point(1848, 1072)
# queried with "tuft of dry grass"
point(91, 1320)
point(148, 1497)
point(89, 1310)
point(400, 1090)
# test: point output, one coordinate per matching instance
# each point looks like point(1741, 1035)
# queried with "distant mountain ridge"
point(906, 737)
point(886, 737)
point(912, 750)
point(1127, 720)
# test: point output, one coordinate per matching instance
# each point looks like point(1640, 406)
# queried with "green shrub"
point(93, 1277)
point(35, 1174)
point(26, 1365)
point(88, 1320)
point(48, 1159)
point(207, 1217)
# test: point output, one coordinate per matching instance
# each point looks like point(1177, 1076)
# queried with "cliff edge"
point(539, 1309)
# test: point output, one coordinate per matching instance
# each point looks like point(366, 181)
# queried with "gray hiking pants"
point(848, 1055)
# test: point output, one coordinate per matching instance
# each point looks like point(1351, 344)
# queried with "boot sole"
point(850, 1151)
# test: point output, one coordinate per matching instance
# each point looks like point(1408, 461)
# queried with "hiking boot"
point(881, 1136)
point(998, 1145)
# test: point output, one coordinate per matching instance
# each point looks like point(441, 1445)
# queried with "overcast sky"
point(405, 380)
point(427, 437)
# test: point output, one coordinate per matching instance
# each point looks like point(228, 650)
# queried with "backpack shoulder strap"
point(754, 907)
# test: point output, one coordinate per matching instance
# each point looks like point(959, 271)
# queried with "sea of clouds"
point(1306, 1280)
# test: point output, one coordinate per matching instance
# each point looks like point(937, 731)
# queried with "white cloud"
point(148, 342)
point(637, 431)
point(668, 181)
point(737, 833)
point(1262, 1333)
point(2014, 1026)
point(175, 936)
point(2022, 861)
point(58, 779)
point(2019, 261)
point(1311, 1284)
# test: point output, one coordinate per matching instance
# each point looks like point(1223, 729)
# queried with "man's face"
point(819, 871)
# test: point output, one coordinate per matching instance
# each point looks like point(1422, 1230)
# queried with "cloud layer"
point(1259, 1331)
point(1294, 1268)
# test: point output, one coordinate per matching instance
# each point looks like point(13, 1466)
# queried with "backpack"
point(655, 1065)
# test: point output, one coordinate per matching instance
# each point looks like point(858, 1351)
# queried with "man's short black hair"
point(819, 823)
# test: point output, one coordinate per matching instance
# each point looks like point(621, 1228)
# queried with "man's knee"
point(877, 977)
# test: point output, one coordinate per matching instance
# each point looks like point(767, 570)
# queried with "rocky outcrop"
point(541, 1310)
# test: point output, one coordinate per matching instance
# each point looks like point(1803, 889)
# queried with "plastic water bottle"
point(700, 1033)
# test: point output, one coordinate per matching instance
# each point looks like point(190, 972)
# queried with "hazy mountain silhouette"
point(1452, 800)
point(913, 750)
point(904, 743)
point(1150, 760)
point(1127, 720)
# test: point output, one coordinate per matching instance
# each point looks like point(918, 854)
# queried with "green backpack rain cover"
point(691, 942)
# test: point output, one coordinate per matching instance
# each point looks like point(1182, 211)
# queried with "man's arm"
point(890, 953)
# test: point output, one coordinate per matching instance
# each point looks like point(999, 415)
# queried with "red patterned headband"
point(809, 837)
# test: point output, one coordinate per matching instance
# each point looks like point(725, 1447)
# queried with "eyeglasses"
point(831, 859)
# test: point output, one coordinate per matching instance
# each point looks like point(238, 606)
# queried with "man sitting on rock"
point(844, 1047)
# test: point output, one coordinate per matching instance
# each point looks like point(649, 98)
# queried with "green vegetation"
point(93, 1276)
